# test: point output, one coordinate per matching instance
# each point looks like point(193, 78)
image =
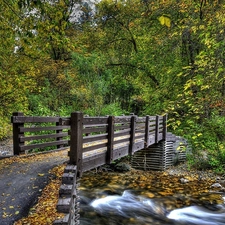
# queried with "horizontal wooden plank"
point(139, 136)
point(92, 138)
point(95, 125)
point(95, 120)
point(141, 119)
point(140, 126)
point(94, 161)
point(95, 129)
point(122, 132)
point(152, 118)
point(42, 145)
point(46, 136)
point(152, 129)
point(34, 119)
point(122, 119)
point(65, 121)
point(120, 152)
point(120, 141)
point(138, 145)
point(152, 123)
point(122, 127)
point(36, 129)
point(93, 147)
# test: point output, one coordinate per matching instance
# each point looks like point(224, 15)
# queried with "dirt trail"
point(21, 182)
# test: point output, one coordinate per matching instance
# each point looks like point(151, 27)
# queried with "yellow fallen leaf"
point(41, 174)
point(11, 207)
point(17, 212)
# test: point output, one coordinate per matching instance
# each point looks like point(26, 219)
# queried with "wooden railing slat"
point(95, 120)
point(122, 133)
point(34, 119)
point(92, 138)
point(36, 129)
point(42, 145)
point(46, 136)
point(95, 129)
point(120, 141)
point(122, 126)
point(94, 147)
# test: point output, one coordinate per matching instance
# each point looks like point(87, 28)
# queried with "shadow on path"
point(21, 182)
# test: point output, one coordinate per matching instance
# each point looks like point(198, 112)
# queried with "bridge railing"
point(40, 133)
point(95, 141)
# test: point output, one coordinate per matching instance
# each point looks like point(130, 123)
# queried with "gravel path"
point(21, 182)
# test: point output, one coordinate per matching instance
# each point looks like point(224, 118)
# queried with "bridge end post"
point(17, 133)
point(164, 127)
point(76, 141)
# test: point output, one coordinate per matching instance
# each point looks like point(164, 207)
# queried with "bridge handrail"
point(119, 135)
point(93, 141)
point(36, 132)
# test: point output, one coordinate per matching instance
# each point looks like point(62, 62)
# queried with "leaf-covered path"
point(21, 182)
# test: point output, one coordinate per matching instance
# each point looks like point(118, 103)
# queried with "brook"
point(143, 198)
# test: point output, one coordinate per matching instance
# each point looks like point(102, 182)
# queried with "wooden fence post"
point(76, 141)
point(164, 126)
point(146, 131)
point(59, 123)
point(17, 134)
point(156, 129)
point(132, 135)
point(109, 156)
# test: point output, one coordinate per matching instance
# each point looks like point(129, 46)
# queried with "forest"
point(114, 57)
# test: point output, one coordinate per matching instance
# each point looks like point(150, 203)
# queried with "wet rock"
point(184, 181)
point(122, 167)
point(216, 185)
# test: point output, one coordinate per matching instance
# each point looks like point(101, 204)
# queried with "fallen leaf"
point(41, 174)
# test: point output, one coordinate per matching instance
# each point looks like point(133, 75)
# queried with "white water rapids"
point(129, 205)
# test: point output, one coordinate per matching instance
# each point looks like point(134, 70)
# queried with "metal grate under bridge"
point(163, 155)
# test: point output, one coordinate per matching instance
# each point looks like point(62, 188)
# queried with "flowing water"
point(148, 198)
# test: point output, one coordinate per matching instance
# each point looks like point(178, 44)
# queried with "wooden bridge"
point(92, 142)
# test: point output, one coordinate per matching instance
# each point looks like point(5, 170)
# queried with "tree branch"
point(139, 68)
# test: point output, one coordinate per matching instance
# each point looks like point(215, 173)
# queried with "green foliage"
point(112, 110)
point(146, 57)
